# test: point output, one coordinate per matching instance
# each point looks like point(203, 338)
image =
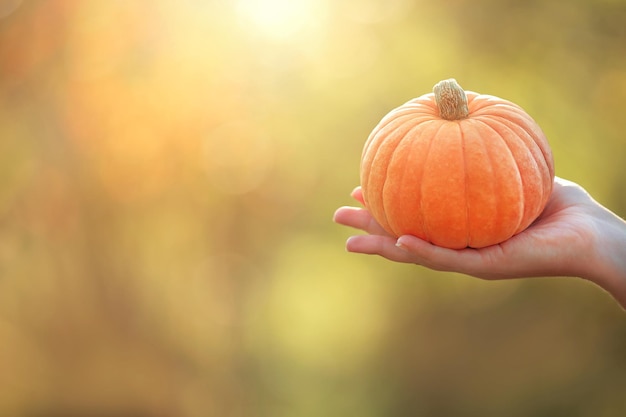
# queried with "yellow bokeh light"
point(238, 157)
point(8, 6)
point(279, 19)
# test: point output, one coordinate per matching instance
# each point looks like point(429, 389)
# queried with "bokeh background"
point(168, 174)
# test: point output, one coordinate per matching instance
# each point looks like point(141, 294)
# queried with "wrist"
point(608, 270)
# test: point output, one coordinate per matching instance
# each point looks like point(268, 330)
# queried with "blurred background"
point(168, 174)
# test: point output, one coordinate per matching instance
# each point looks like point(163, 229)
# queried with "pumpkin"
point(458, 169)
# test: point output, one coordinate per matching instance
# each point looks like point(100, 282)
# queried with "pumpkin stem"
point(451, 100)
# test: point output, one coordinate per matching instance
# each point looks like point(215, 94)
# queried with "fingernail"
point(350, 239)
point(400, 245)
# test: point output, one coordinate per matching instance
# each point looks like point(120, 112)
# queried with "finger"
point(357, 194)
point(358, 218)
point(384, 246)
point(484, 263)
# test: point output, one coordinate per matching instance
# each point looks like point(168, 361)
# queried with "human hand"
point(574, 236)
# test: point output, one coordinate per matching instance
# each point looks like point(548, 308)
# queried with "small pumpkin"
point(458, 169)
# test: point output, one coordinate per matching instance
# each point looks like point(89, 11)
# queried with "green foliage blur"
point(168, 174)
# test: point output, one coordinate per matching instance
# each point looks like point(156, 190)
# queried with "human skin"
point(575, 236)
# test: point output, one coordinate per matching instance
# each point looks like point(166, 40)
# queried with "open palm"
point(555, 244)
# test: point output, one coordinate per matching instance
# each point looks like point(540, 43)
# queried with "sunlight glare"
point(278, 19)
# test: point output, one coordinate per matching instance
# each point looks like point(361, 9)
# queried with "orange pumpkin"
point(457, 169)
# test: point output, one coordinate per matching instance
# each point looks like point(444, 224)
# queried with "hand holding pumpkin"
point(574, 236)
point(464, 182)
